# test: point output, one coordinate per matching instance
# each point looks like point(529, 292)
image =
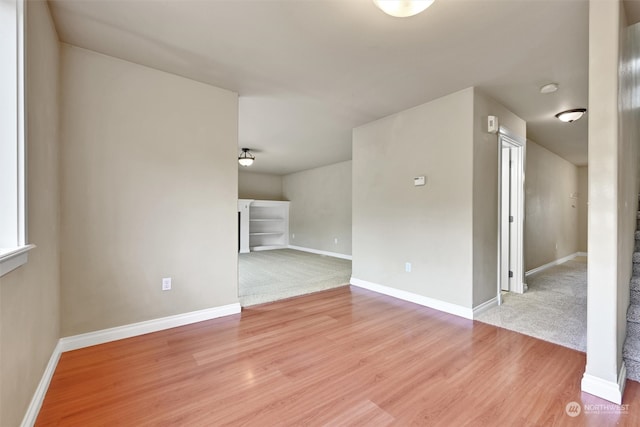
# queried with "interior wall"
point(29, 295)
point(148, 190)
point(613, 188)
point(552, 207)
point(259, 186)
point(430, 226)
point(583, 207)
point(320, 208)
point(485, 192)
point(628, 165)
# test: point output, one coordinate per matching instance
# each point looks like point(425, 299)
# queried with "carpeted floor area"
point(267, 276)
point(554, 308)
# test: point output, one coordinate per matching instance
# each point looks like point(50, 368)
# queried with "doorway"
point(511, 161)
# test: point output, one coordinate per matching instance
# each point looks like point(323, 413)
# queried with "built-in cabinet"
point(264, 224)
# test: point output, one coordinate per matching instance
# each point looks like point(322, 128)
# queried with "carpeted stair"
point(631, 350)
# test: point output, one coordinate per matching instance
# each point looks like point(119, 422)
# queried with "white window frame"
point(13, 206)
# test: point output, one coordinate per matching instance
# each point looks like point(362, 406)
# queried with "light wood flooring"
point(341, 357)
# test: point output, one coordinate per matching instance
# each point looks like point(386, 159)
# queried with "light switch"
point(419, 180)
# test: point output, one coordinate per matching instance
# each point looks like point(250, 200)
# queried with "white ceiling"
point(309, 71)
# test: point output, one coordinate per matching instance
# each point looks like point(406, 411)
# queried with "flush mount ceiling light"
point(571, 115)
point(549, 88)
point(403, 8)
point(246, 158)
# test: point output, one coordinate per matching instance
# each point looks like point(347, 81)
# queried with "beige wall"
point(551, 205)
point(583, 207)
point(148, 190)
point(259, 186)
point(430, 226)
point(628, 159)
point(447, 229)
point(485, 193)
point(613, 189)
point(602, 304)
point(29, 296)
point(320, 209)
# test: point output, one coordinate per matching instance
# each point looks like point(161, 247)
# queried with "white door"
point(511, 216)
point(505, 212)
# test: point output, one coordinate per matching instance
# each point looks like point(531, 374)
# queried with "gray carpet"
point(554, 308)
point(267, 276)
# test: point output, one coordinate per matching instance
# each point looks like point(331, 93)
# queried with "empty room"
point(279, 212)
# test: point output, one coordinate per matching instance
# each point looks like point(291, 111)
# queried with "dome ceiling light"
point(246, 158)
point(549, 88)
point(571, 115)
point(403, 8)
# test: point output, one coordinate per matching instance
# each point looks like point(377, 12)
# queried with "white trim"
point(127, 331)
point(319, 252)
point(604, 389)
point(13, 217)
point(266, 247)
point(439, 305)
point(484, 306)
point(106, 335)
point(22, 146)
point(12, 259)
point(554, 263)
point(514, 262)
point(38, 397)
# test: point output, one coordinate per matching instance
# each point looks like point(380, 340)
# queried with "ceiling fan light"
point(403, 8)
point(246, 158)
point(571, 115)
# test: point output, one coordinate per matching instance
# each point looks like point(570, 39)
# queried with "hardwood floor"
point(345, 356)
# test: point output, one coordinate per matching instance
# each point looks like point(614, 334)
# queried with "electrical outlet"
point(335, 240)
point(166, 284)
point(293, 235)
point(407, 267)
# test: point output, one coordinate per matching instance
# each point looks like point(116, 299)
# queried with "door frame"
point(515, 263)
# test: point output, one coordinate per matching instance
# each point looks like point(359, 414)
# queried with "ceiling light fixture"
point(403, 8)
point(571, 115)
point(549, 88)
point(246, 158)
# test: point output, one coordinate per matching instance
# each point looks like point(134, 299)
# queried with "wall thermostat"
point(419, 180)
point(492, 124)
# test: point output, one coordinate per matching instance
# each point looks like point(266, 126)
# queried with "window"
point(13, 246)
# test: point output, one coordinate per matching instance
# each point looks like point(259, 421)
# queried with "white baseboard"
point(319, 252)
point(106, 335)
point(484, 306)
point(447, 307)
point(38, 397)
point(604, 389)
point(120, 332)
point(554, 263)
